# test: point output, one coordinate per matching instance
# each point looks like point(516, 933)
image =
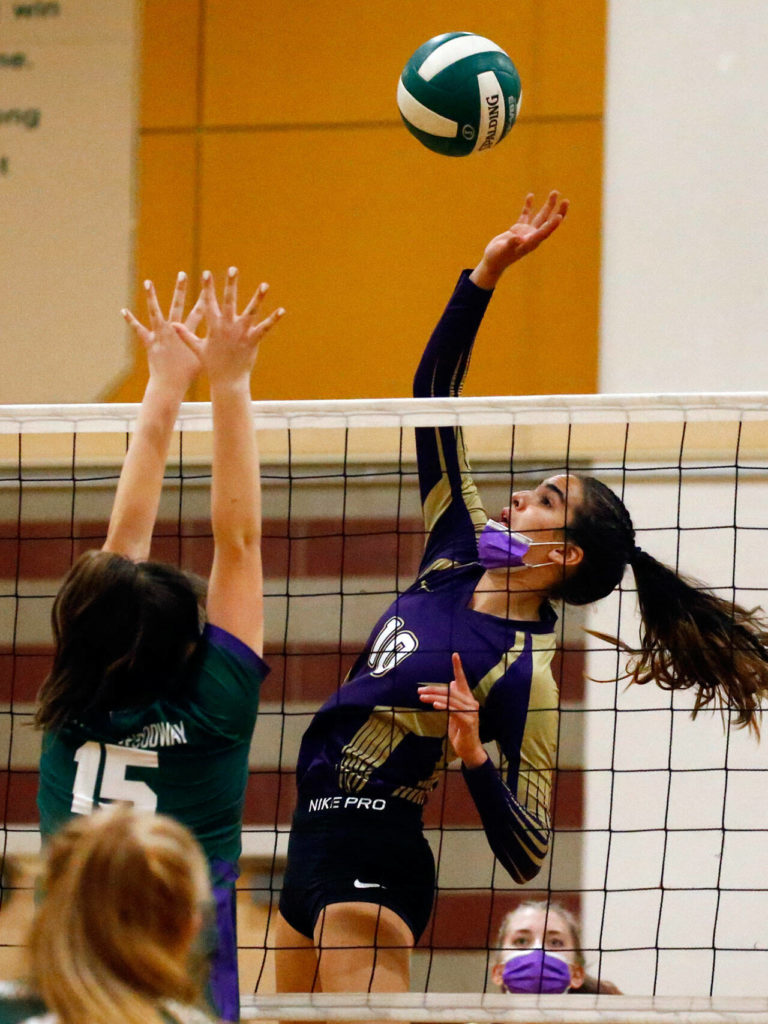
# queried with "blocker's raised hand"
point(170, 361)
point(526, 234)
point(229, 349)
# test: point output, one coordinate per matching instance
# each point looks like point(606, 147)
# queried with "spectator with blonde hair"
point(539, 950)
point(125, 895)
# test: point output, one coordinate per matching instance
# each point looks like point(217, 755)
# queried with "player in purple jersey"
point(463, 657)
point(142, 706)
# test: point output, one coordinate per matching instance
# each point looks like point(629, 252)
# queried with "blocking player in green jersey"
point(143, 705)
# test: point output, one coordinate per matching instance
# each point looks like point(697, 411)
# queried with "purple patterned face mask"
point(498, 547)
point(536, 970)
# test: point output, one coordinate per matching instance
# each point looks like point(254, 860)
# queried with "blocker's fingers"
point(130, 319)
point(190, 339)
point(435, 694)
point(179, 297)
point(195, 314)
point(229, 301)
point(255, 300)
point(153, 306)
point(261, 328)
point(208, 296)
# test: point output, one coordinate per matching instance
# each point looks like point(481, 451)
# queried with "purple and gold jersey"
point(373, 746)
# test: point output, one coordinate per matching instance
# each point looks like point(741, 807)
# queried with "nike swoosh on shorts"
point(367, 885)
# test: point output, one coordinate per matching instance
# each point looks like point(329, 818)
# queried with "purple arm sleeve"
point(519, 840)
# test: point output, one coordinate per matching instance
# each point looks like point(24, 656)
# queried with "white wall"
point(684, 308)
point(675, 809)
point(685, 255)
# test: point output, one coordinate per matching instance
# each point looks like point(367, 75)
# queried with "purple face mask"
point(498, 547)
point(535, 970)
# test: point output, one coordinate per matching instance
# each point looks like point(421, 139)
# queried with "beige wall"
point(67, 116)
point(270, 139)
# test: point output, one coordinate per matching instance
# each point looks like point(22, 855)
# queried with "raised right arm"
point(235, 599)
point(451, 506)
point(453, 512)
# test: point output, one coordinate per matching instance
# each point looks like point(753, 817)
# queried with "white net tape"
point(520, 1009)
point(409, 412)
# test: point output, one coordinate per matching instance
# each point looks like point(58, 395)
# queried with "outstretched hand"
point(463, 714)
point(525, 235)
point(172, 365)
point(171, 362)
point(231, 344)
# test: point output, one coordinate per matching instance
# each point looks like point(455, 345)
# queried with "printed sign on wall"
point(67, 145)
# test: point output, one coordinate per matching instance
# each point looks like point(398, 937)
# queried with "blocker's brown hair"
point(125, 635)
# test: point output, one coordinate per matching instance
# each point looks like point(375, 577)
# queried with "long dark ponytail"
point(689, 638)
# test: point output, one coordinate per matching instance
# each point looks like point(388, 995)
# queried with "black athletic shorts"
point(353, 858)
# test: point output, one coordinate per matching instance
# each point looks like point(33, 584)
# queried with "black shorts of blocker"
point(348, 861)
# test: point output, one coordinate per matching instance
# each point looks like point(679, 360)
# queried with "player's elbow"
point(521, 870)
point(235, 527)
point(523, 859)
point(528, 871)
point(240, 545)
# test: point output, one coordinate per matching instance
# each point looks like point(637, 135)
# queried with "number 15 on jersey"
point(101, 777)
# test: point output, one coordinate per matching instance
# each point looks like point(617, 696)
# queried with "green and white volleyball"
point(459, 94)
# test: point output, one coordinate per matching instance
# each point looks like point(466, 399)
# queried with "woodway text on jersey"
point(157, 734)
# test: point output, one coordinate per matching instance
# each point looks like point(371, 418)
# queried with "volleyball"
point(459, 94)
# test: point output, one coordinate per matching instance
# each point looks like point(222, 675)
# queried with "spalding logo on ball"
point(459, 94)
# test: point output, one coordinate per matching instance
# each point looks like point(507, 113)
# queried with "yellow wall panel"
point(564, 279)
point(323, 61)
point(568, 72)
point(361, 230)
point(165, 232)
point(169, 63)
point(362, 235)
point(166, 227)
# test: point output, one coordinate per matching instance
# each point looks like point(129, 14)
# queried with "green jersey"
point(186, 757)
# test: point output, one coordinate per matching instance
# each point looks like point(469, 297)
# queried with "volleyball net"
point(661, 829)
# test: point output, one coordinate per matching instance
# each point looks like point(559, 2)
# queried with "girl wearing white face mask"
point(539, 950)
